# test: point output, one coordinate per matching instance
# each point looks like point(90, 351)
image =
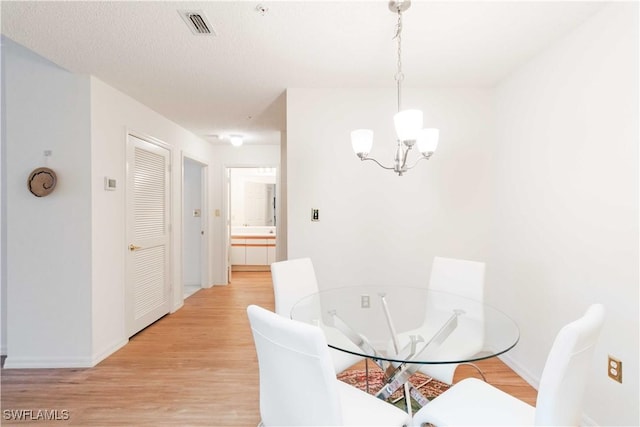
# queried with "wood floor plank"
point(196, 367)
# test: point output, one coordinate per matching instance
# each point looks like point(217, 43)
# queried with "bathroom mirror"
point(253, 197)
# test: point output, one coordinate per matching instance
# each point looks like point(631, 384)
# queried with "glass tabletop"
point(408, 324)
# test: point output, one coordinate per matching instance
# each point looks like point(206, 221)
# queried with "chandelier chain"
point(399, 75)
point(408, 123)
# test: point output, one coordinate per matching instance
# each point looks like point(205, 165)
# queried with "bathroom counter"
point(253, 236)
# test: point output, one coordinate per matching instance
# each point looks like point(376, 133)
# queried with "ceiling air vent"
point(197, 22)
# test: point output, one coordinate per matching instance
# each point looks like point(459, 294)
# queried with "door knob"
point(134, 247)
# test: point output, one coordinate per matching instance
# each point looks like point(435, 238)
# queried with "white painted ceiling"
point(234, 82)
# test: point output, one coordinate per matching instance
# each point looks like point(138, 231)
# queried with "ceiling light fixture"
point(236, 140)
point(408, 123)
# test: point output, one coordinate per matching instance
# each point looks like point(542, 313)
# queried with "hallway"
point(194, 367)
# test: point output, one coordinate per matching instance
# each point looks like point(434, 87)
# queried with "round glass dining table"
point(401, 328)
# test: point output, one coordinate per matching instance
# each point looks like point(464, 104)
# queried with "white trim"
point(177, 307)
point(99, 357)
point(35, 363)
point(151, 139)
point(526, 375)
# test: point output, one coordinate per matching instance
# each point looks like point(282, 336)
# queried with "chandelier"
point(408, 123)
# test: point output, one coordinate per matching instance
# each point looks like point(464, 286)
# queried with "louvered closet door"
point(148, 293)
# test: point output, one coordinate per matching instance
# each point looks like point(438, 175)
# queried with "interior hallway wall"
point(113, 115)
point(66, 252)
point(48, 239)
point(192, 225)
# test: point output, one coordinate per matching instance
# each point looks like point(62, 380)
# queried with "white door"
point(147, 281)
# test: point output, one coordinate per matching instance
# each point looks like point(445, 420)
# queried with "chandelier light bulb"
point(408, 124)
point(428, 141)
point(362, 141)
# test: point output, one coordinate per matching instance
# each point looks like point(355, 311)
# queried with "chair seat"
point(474, 402)
point(362, 409)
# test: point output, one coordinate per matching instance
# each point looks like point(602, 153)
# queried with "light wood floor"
point(194, 367)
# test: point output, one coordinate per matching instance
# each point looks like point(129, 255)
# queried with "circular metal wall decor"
point(42, 181)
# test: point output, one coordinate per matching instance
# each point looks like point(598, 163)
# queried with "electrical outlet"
point(614, 369)
point(365, 302)
point(315, 214)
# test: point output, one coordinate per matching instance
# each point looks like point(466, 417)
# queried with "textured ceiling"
point(234, 82)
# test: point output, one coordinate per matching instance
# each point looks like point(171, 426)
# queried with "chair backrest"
point(566, 370)
point(292, 280)
point(458, 276)
point(464, 278)
point(297, 379)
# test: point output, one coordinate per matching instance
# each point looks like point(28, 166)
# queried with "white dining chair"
point(474, 402)
point(462, 278)
point(298, 386)
point(295, 279)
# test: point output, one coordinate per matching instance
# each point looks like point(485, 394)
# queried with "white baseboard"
point(81, 362)
point(38, 363)
point(177, 307)
point(526, 375)
point(99, 357)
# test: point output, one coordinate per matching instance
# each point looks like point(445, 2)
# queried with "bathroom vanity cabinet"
point(253, 250)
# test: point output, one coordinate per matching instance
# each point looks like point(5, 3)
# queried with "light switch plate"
point(109, 184)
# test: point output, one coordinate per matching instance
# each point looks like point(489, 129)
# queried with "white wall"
point(565, 229)
point(538, 177)
point(376, 227)
point(113, 114)
point(282, 248)
point(48, 240)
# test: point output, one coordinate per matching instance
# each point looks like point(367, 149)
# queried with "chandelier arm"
point(379, 164)
point(422, 157)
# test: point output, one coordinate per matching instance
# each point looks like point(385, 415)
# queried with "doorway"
point(251, 218)
point(195, 265)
